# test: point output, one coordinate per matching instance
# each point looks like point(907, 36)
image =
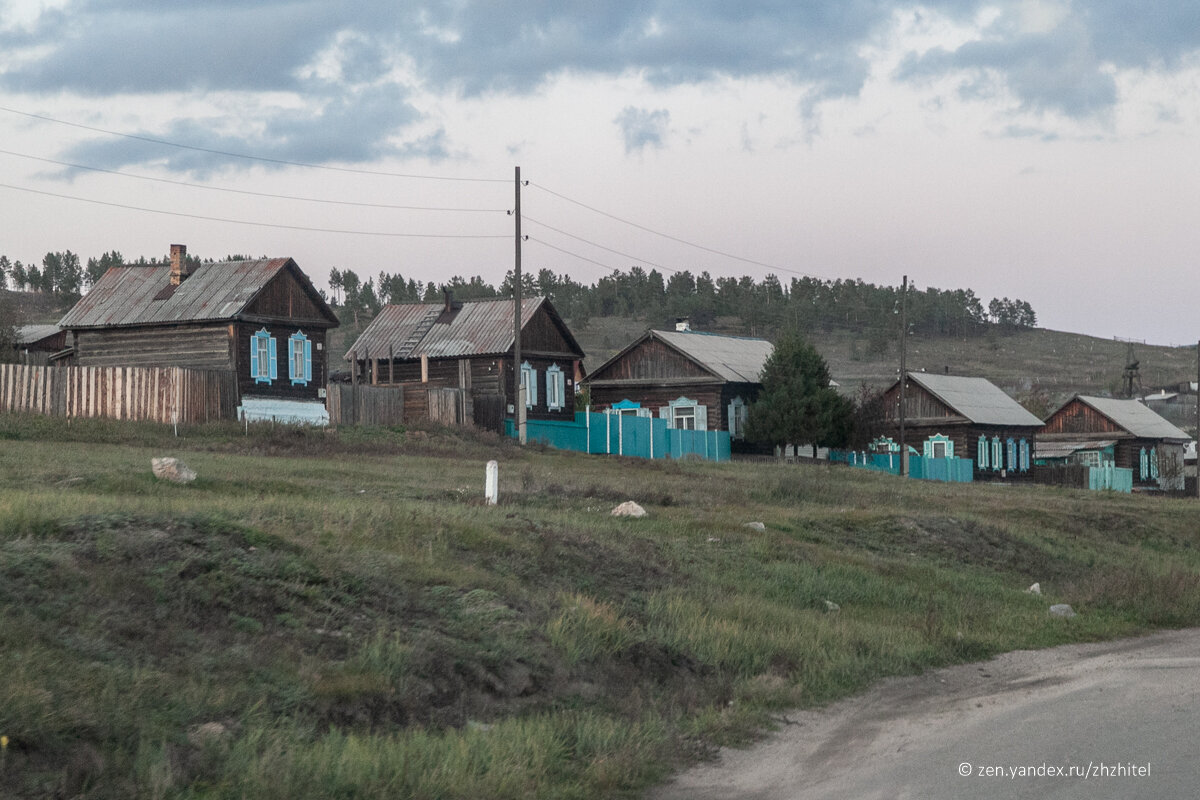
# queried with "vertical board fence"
point(951, 470)
point(395, 405)
point(156, 394)
point(625, 435)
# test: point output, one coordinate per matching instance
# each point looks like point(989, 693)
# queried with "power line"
point(573, 255)
point(714, 251)
point(255, 224)
point(602, 247)
point(243, 191)
point(228, 154)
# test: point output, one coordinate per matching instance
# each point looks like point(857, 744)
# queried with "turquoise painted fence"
point(1115, 479)
point(625, 435)
point(951, 470)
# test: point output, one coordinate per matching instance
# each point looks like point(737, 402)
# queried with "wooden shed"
point(469, 346)
point(954, 416)
point(262, 320)
point(694, 380)
point(1096, 430)
point(37, 344)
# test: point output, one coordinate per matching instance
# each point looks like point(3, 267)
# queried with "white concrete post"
point(491, 488)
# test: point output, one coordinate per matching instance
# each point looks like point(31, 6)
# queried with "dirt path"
point(1076, 721)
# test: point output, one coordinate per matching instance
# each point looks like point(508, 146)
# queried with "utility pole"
point(518, 384)
point(903, 371)
point(1197, 419)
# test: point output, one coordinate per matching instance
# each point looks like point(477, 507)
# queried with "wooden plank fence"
point(158, 394)
point(395, 405)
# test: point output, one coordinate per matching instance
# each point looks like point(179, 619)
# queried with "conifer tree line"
point(745, 305)
point(761, 307)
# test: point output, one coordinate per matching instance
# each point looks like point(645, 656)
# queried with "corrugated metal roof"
point(1135, 418)
point(28, 334)
point(977, 399)
point(142, 295)
point(481, 327)
point(733, 358)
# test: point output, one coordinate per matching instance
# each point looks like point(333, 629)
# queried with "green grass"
point(337, 614)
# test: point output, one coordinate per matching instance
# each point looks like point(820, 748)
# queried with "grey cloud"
point(471, 48)
point(642, 128)
point(351, 128)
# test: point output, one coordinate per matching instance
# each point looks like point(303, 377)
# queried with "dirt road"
point(1109, 720)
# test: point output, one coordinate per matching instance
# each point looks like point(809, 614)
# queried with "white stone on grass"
point(172, 469)
point(629, 509)
point(1063, 610)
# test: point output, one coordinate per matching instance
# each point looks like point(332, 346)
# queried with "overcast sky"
point(1040, 150)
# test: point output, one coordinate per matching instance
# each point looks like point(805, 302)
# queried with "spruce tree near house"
point(797, 405)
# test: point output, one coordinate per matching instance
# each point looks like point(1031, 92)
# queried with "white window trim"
point(529, 383)
point(262, 343)
point(556, 388)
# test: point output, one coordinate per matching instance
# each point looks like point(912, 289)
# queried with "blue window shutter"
point(307, 361)
point(254, 357)
point(274, 360)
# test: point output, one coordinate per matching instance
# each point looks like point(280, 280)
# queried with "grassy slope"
point(337, 615)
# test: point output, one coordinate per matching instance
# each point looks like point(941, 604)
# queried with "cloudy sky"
point(1040, 150)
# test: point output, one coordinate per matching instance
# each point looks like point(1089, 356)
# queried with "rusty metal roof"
point(134, 295)
point(482, 327)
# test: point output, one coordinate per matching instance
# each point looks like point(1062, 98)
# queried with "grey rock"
point(172, 469)
point(629, 509)
point(832, 607)
point(1035, 589)
point(757, 526)
point(1063, 610)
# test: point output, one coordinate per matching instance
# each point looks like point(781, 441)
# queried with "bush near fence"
point(156, 394)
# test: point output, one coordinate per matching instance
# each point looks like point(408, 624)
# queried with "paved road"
point(1029, 724)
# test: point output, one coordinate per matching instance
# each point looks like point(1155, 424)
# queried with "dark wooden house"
point(694, 380)
point(1096, 430)
point(469, 346)
point(262, 320)
point(960, 417)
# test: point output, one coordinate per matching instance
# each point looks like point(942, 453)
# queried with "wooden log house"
point(262, 320)
point(1098, 430)
point(961, 417)
point(692, 379)
point(469, 346)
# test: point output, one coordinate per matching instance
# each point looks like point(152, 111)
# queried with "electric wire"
point(544, 243)
point(676, 239)
point(600, 246)
point(244, 191)
point(229, 154)
point(252, 223)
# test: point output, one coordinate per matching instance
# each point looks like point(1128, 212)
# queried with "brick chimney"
point(179, 269)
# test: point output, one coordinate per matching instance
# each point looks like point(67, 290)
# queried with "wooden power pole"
point(518, 384)
point(903, 371)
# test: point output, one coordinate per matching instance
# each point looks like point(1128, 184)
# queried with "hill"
point(336, 613)
point(32, 308)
